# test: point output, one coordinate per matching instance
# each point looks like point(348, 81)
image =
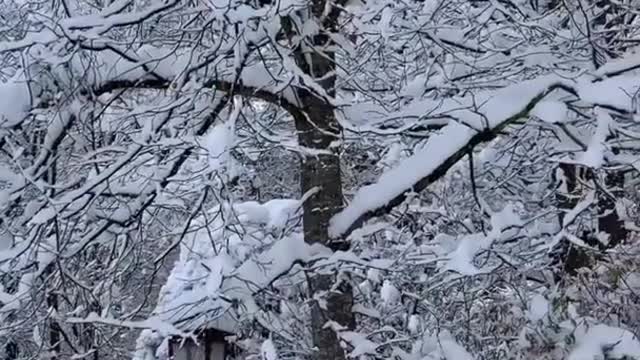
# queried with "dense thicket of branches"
point(464, 176)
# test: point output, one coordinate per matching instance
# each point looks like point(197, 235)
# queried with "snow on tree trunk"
point(318, 129)
point(609, 220)
point(611, 229)
point(567, 196)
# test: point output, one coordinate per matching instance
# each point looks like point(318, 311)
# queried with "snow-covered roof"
point(211, 269)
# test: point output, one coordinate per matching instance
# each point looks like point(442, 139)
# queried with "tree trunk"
point(609, 221)
point(54, 327)
point(318, 129)
point(11, 351)
point(569, 256)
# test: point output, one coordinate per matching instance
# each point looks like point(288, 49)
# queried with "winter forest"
point(320, 179)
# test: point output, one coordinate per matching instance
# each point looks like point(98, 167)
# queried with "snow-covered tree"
point(417, 179)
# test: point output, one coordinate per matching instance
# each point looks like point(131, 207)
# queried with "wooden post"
point(211, 346)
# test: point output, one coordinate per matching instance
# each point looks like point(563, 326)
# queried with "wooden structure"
point(211, 345)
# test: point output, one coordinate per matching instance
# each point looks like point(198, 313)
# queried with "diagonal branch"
point(222, 85)
point(441, 152)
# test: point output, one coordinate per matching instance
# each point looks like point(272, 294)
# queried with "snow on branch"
point(442, 151)
point(616, 67)
point(113, 16)
point(84, 26)
point(219, 270)
point(479, 124)
point(157, 68)
point(600, 341)
point(207, 283)
point(15, 103)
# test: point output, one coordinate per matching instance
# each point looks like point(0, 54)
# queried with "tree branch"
point(351, 219)
point(222, 85)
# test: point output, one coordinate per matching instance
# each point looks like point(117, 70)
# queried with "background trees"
point(469, 168)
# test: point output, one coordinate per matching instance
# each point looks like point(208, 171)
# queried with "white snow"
point(440, 347)
point(217, 262)
point(259, 77)
point(221, 138)
point(33, 38)
point(401, 178)
point(37, 337)
point(43, 216)
point(582, 205)
point(551, 111)
point(414, 324)
point(15, 102)
point(268, 350)
point(461, 259)
point(385, 22)
point(629, 61)
point(366, 288)
point(362, 346)
point(538, 307)
point(631, 281)
point(499, 108)
point(594, 156)
point(591, 340)
point(100, 22)
point(415, 87)
point(389, 294)
point(197, 277)
point(374, 275)
point(616, 91)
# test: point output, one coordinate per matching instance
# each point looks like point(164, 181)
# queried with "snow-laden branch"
point(251, 277)
point(113, 16)
point(93, 25)
point(443, 150)
point(610, 87)
point(152, 323)
point(263, 93)
point(206, 283)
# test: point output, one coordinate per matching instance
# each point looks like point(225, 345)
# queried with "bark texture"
point(319, 130)
point(609, 220)
point(569, 256)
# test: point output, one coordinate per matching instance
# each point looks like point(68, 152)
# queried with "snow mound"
point(602, 341)
point(194, 294)
point(550, 111)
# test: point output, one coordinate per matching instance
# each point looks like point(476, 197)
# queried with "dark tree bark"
point(55, 339)
point(570, 257)
point(608, 219)
point(11, 351)
point(319, 130)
